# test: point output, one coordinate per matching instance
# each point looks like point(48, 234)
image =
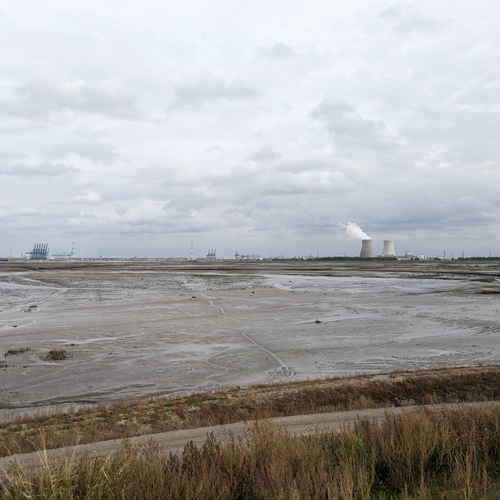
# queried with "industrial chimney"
point(388, 250)
point(366, 250)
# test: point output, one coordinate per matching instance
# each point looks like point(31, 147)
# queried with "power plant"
point(388, 250)
point(368, 253)
point(366, 250)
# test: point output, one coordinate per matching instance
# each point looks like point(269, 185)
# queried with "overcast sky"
point(132, 128)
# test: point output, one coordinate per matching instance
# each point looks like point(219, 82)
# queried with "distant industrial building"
point(40, 252)
point(64, 255)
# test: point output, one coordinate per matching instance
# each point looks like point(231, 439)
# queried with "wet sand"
point(150, 329)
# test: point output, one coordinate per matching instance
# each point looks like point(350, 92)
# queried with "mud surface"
point(148, 329)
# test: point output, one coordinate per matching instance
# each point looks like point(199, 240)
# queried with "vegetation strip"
point(134, 418)
point(175, 441)
point(415, 455)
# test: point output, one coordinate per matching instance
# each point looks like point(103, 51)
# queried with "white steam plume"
point(354, 231)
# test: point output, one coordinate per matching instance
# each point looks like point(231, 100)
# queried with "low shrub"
point(55, 355)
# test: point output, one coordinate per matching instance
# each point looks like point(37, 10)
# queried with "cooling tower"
point(388, 250)
point(366, 250)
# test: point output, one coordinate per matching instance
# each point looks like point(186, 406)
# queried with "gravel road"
point(175, 441)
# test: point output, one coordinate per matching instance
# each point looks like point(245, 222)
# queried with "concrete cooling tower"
point(388, 250)
point(366, 250)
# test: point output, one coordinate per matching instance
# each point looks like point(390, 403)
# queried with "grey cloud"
point(88, 199)
point(141, 220)
point(437, 199)
point(408, 20)
point(199, 196)
point(215, 148)
point(41, 98)
point(394, 11)
point(264, 187)
point(311, 216)
point(93, 143)
point(418, 24)
point(11, 155)
point(459, 136)
point(206, 87)
point(264, 154)
point(279, 50)
point(44, 169)
point(350, 129)
point(301, 165)
point(28, 212)
point(98, 151)
point(177, 211)
point(307, 182)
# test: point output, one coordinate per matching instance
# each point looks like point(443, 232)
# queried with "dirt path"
point(175, 441)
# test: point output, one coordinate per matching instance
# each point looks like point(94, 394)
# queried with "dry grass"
point(15, 351)
point(133, 418)
point(452, 455)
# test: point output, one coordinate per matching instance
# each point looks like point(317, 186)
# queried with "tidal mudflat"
point(153, 328)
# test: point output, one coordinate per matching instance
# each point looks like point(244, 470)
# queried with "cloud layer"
point(133, 130)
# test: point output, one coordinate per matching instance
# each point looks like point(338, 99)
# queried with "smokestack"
point(388, 250)
point(366, 250)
